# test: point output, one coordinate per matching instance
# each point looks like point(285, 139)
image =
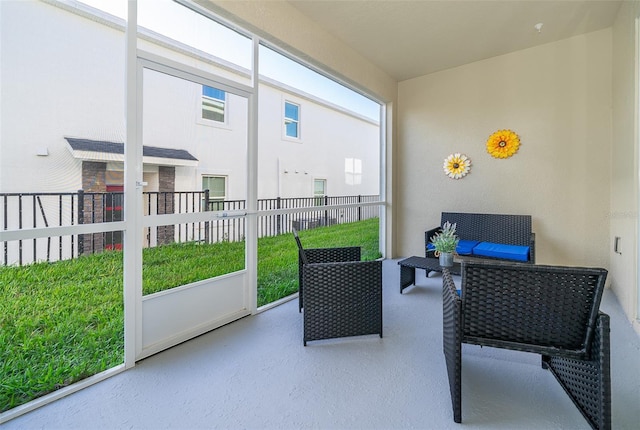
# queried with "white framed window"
point(217, 186)
point(353, 171)
point(214, 104)
point(319, 187)
point(291, 120)
point(319, 191)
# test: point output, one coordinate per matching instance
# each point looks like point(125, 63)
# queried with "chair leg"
point(588, 382)
point(299, 283)
point(407, 277)
point(454, 371)
point(452, 346)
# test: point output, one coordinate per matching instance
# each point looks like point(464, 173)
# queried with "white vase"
point(446, 259)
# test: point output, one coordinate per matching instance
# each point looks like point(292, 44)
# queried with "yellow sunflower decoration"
point(503, 144)
point(456, 165)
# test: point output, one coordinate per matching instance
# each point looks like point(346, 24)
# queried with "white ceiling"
point(416, 37)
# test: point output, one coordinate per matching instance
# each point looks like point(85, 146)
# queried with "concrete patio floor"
point(255, 374)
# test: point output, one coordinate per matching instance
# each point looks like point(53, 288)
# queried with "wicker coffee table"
point(408, 268)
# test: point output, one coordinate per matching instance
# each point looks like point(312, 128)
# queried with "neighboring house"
point(299, 133)
point(194, 136)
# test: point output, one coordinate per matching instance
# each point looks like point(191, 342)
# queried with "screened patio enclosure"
point(190, 146)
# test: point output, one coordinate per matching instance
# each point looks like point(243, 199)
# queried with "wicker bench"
point(549, 310)
point(495, 228)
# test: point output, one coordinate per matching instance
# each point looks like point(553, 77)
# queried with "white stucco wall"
point(557, 97)
point(171, 119)
point(56, 81)
point(327, 139)
point(624, 163)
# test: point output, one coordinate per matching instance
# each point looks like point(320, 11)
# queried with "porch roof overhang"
point(101, 150)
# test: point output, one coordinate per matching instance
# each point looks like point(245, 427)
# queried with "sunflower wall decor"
point(503, 144)
point(456, 165)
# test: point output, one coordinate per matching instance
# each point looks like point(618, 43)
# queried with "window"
point(217, 186)
point(353, 171)
point(292, 120)
point(319, 191)
point(319, 187)
point(213, 103)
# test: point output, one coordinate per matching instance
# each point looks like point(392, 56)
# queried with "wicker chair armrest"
point(450, 292)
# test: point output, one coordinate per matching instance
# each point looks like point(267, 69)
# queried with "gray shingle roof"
point(118, 148)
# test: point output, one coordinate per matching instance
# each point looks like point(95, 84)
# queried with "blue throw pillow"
point(498, 250)
point(464, 246)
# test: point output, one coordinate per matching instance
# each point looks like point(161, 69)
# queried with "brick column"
point(166, 187)
point(93, 181)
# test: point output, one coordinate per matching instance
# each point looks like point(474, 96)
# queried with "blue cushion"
point(465, 247)
point(498, 250)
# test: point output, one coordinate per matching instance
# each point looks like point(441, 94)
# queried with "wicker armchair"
point(341, 295)
point(550, 310)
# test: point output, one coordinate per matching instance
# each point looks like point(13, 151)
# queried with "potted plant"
point(444, 243)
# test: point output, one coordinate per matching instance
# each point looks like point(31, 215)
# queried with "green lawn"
point(62, 322)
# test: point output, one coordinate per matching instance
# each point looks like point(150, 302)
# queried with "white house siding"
point(172, 119)
point(62, 75)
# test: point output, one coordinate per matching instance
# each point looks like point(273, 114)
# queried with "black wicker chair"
point(341, 295)
point(550, 310)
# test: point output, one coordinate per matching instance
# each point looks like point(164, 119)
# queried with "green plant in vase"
point(445, 242)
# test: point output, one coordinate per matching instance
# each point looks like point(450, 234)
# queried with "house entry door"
point(192, 153)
